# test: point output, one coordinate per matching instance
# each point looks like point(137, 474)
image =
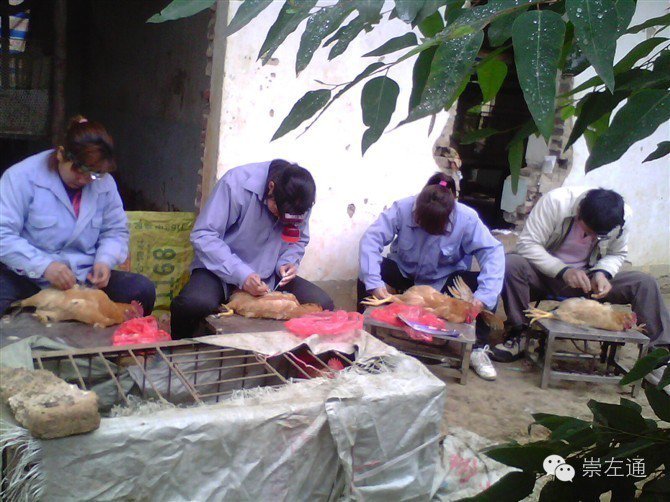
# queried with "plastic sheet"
point(389, 315)
point(139, 330)
point(339, 322)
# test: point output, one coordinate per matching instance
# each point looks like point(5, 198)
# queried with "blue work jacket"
point(236, 235)
point(38, 225)
point(431, 259)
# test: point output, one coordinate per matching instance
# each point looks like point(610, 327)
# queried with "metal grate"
point(185, 371)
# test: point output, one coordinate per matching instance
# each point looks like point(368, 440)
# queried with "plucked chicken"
point(457, 308)
point(87, 305)
point(585, 312)
point(274, 305)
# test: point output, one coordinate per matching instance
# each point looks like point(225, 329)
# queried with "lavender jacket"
point(236, 235)
point(431, 259)
point(38, 225)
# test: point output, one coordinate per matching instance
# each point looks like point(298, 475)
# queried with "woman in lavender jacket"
point(433, 239)
point(62, 222)
point(251, 235)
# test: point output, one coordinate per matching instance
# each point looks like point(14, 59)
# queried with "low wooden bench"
point(552, 330)
point(452, 355)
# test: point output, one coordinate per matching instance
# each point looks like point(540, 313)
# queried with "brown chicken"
point(275, 305)
point(585, 312)
point(457, 308)
point(87, 305)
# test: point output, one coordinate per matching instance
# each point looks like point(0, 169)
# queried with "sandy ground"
point(501, 410)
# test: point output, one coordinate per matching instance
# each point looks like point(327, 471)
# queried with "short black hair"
point(602, 210)
point(294, 188)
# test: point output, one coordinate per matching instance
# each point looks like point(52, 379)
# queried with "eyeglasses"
point(85, 170)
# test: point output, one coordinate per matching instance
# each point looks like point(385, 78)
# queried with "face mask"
point(291, 233)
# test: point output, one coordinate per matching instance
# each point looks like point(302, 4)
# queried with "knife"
point(431, 330)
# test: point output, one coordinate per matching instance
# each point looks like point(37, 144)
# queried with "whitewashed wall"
point(256, 99)
point(645, 187)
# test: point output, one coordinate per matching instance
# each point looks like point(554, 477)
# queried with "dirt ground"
point(501, 410)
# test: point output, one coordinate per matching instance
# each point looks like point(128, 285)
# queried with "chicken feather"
point(274, 305)
point(585, 312)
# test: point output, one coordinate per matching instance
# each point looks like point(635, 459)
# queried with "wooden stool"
point(455, 362)
point(554, 330)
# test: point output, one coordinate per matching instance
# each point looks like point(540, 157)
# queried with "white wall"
point(256, 99)
point(645, 187)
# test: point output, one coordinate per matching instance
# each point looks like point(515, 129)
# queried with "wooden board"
point(74, 334)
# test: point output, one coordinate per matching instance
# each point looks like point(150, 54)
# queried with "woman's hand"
point(59, 275)
point(99, 276)
point(288, 272)
point(255, 286)
point(381, 293)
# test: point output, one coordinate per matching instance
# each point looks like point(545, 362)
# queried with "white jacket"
point(550, 221)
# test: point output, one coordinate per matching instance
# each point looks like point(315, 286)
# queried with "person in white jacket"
point(574, 243)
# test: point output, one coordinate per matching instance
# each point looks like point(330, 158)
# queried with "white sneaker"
point(481, 364)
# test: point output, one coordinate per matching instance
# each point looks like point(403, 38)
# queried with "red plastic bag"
point(325, 323)
point(389, 315)
point(140, 330)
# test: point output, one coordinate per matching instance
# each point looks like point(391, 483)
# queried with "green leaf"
point(569, 429)
point(594, 106)
point(452, 63)
point(290, 16)
point(659, 402)
point(550, 421)
point(319, 25)
point(656, 489)
point(302, 110)
point(595, 24)
point(178, 9)
point(642, 114)
point(394, 44)
point(246, 12)
point(430, 24)
point(537, 37)
point(662, 149)
point(512, 486)
point(627, 449)
point(474, 136)
point(514, 157)
point(407, 10)
point(663, 20)
point(491, 76)
point(630, 404)
point(378, 101)
point(567, 112)
point(617, 417)
point(500, 30)
point(557, 490)
point(625, 9)
point(345, 35)
point(665, 378)
point(638, 52)
point(420, 74)
point(645, 365)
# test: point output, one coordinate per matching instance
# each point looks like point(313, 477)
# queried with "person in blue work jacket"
point(433, 239)
point(251, 235)
point(62, 222)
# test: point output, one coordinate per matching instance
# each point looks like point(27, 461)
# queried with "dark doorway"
point(485, 165)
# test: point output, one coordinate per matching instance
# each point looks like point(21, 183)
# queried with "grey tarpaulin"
point(372, 436)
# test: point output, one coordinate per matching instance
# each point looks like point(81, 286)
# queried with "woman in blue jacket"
point(433, 239)
point(251, 235)
point(62, 222)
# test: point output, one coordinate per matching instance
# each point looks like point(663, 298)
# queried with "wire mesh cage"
point(183, 372)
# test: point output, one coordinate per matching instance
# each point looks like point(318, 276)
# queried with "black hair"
point(602, 210)
point(435, 203)
point(294, 188)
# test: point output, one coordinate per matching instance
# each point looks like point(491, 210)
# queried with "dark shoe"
point(508, 351)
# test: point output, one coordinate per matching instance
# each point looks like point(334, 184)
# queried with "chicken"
point(87, 305)
point(585, 312)
point(275, 305)
point(457, 308)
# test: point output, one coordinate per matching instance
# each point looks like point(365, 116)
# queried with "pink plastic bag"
point(389, 315)
point(325, 323)
point(140, 330)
